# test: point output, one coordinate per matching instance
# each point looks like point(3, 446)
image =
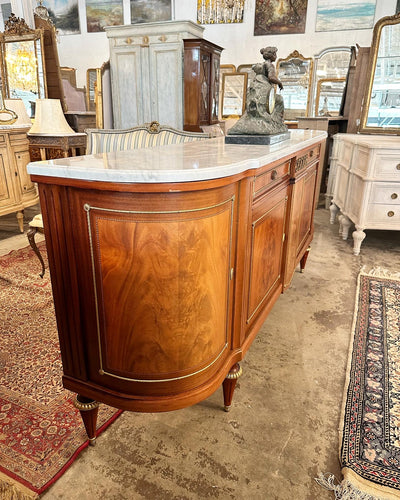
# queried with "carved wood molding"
point(16, 26)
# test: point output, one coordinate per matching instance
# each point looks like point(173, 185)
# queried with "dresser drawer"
point(270, 177)
point(387, 215)
point(389, 195)
point(387, 166)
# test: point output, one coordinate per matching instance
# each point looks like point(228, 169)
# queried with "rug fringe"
point(344, 490)
point(380, 272)
point(12, 490)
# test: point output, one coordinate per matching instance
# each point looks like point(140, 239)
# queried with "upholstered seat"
point(143, 136)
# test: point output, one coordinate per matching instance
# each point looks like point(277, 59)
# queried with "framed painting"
point(65, 15)
point(143, 11)
point(345, 15)
point(220, 11)
point(280, 17)
point(103, 13)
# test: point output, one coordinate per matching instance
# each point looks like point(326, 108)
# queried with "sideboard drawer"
point(387, 215)
point(270, 177)
point(389, 195)
point(303, 161)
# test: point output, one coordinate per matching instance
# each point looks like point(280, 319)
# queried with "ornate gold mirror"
point(234, 86)
point(22, 63)
point(381, 111)
point(330, 65)
point(295, 73)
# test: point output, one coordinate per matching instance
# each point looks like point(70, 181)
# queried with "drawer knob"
point(274, 175)
point(398, 166)
point(394, 196)
point(311, 154)
point(391, 213)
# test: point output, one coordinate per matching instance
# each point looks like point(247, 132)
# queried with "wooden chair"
point(36, 226)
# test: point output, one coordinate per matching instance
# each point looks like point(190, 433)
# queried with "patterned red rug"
point(41, 433)
point(370, 445)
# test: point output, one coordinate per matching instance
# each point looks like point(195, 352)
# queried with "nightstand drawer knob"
point(398, 166)
point(394, 196)
point(274, 175)
point(390, 214)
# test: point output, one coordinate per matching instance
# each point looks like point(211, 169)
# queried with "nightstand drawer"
point(387, 166)
point(387, 215)
point(389, 195)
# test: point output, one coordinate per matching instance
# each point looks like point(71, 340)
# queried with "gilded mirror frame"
point(16, 30)
point(242, 89)
point(296, 55)
point(364, 128)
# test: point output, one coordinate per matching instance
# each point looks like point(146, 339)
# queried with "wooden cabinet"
point(366, 172)
point(163, 72)
point(201, 83)
point(17, 191)
point(161, 286)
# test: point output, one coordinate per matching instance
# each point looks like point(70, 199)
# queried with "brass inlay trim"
point(87, 208)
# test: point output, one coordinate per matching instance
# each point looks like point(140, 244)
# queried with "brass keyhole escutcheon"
point(398, 166)
point(274, 175)
point(390, 214)
point(394, 196)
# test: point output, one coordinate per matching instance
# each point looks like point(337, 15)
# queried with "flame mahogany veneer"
point(160, 288)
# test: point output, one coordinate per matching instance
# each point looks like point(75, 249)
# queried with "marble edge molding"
point(115, 167)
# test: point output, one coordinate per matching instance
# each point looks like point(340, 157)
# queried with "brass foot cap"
point(227, 408)
point(92, 441)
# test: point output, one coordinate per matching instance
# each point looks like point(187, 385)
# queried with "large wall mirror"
point(22, 63)
point(295, 73)
point(381, 111)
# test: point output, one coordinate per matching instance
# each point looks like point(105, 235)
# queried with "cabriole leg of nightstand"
point(229, 385)
point(358, 238)
point(88, 409)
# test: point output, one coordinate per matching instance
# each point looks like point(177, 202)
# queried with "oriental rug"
point(41, 433)
point(370, 436)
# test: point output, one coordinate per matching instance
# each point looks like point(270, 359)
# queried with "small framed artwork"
point(65, 16)
point(143, 11)
point(344, 15)
point(280, 17)
point(220, 11)
point(103, 13)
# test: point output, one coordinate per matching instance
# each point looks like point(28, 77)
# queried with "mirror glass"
point(332, 64)
point(22, 63)
point(295, 73)
point(91, 81)
point(381, 113)
point(329, 96)
point(234, 87)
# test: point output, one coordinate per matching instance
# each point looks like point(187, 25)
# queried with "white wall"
point(90, 50)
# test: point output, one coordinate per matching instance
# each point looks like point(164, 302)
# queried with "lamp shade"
point(50, 119)
point(18, 106)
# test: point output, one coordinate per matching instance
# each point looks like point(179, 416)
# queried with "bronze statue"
point(264, 108)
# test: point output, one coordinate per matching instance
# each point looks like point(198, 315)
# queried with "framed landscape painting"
point(65, 15)
point(149, 11)
point(345, 15)
point(280, 17)
point(100, 13)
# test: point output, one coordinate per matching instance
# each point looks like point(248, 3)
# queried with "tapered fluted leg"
point(229, 385)
point(303, 260)
point(88, 409)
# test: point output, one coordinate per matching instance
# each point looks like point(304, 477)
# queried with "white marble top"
point(191, 161)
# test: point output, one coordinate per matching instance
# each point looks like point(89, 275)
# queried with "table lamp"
point(18, 106)
point(50, 119)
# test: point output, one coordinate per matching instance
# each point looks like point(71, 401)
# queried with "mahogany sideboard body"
point(160, 285)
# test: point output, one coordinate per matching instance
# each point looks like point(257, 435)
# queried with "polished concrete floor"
point(282, 430)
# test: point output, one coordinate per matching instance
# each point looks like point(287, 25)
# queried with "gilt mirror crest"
point(295, 73)
point(381, 110)
point(22, 63)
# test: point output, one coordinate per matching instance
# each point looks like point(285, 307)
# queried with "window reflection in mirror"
point(381, 113)
point(295, 74)
point(234, 87)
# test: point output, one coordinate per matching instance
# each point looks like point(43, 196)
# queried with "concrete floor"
point(283, 427)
